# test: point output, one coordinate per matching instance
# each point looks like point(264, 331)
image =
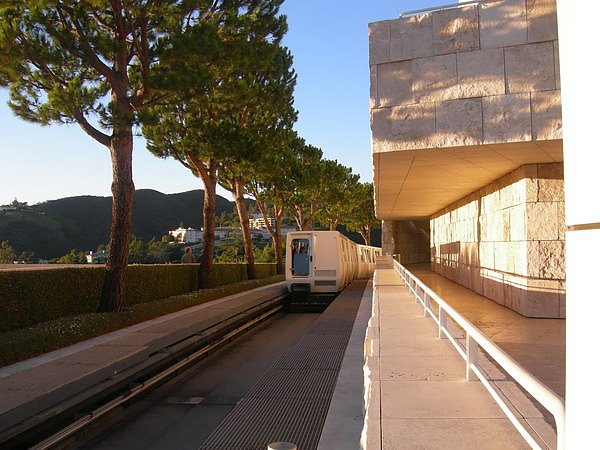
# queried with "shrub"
point(32, 296)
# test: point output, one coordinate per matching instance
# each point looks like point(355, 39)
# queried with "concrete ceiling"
point(414, 184)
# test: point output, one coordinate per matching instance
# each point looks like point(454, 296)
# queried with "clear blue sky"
point(328, 39)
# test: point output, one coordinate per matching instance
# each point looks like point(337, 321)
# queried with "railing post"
point(415, 291)
point(443, 319)
point(472, 353)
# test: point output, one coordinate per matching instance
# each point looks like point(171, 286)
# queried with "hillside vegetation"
point(53, 228)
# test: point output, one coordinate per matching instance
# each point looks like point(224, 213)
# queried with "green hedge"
point(23, 343)
point(33, 296)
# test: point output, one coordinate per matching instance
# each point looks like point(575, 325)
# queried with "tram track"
point(59, 427)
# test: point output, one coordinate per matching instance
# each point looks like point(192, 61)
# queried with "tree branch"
point(88, 54)
point(102, 138)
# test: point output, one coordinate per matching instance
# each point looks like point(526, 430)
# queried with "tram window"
point(300, 257)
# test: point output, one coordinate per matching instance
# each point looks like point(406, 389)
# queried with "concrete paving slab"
point(416, 389)
point(422, 368)
point(437, 399)
point(446, 433)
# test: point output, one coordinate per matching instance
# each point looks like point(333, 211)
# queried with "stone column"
point(387, 237)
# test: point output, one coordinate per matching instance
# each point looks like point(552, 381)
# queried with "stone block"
point(502, 23)
point(413, 126)
point(530, 68)
point(464, 276)
point(541, 20)
point(394, 84)
point(546, 115)
point(476, 280)
point(455, 30)
point(532, 259)
point(496, 226)
point(505, 215)
point(493, 286)
point(486, 255)
point(561, 221)
point(534, 298)
point(435, 78)
point(458, 123)
point(506, 118)
point(519, 256)
point(411, 37)
point(381, 130)
point(542, 221)
point(556, 65)
point(541, 299)
point(503, 257)
point(379, 42)
point(552, 259)
point(551, 185)
point(490, 202)
point(481, 73)
point(530, 177)
point(483, 228)
point(517, 223)
point(469, 253)
point(373, 102)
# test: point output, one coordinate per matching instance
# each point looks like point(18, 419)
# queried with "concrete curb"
point(344, 423)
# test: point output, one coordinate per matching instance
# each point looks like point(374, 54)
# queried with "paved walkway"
point(417, 393)
point(537, 344)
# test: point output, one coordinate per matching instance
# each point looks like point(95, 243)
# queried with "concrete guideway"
point(417, 396)
point(39, 388)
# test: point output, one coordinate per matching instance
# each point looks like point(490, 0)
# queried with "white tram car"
point(319, 264)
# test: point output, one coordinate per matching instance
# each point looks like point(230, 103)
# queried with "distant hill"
point(53, 228)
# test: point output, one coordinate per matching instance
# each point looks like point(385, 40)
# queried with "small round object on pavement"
point(282, 446)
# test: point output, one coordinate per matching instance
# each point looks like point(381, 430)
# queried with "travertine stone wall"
point(506, 241)
point(408, 239)
point(475, 75)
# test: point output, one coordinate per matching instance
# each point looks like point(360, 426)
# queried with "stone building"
point(468, 151)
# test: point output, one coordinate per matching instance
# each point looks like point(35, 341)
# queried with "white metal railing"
point(438, 8)
point(474, 339)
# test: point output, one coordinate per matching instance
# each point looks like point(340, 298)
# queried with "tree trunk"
point(123, 192)
point(209, 211)
point(368, 234)
point(238, 185)
point(299, 217)
point(274, 232)
point(277, 246)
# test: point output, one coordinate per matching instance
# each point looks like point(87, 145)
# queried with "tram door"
point(301, 257)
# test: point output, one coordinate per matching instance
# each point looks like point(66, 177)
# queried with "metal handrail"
point(437, 8)
point(475, 339)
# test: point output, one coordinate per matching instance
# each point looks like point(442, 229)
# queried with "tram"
point(319, 264)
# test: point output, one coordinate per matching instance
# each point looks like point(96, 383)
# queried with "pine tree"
point(100, 65)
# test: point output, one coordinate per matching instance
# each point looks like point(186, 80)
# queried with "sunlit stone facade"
point(467, 134)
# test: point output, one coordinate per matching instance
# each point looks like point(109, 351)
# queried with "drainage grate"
point(290, 402)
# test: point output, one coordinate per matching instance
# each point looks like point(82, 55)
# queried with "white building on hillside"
point(257, 221)
point(187, 235)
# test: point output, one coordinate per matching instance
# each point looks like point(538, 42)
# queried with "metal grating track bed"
point(290, 402)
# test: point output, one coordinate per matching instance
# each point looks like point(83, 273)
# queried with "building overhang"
point(414, 184)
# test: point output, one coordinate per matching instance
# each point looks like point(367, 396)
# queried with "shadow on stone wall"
point(530, 297)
